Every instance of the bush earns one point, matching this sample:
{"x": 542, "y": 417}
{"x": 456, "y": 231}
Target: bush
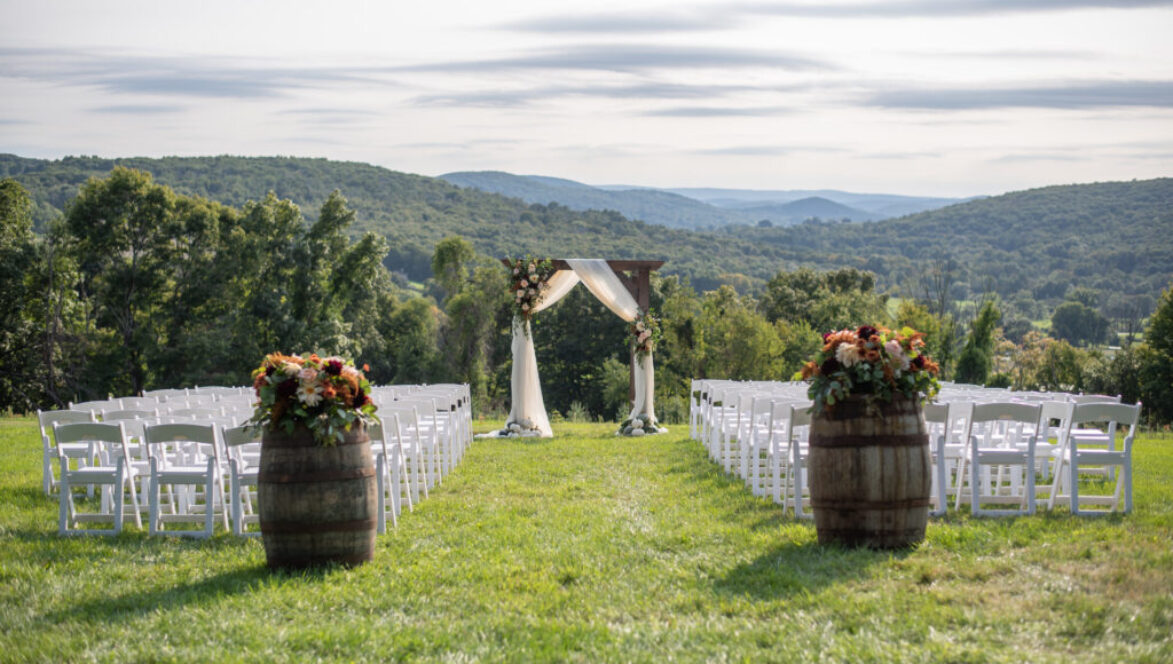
{"x": 672, "y": 410}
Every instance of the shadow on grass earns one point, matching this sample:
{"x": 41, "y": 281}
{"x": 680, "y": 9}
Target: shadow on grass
{"x": 184, "y": 594}
{"x": 794, "y": 568}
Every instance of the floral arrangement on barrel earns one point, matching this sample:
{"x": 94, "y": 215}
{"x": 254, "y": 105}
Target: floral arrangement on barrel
{"x": 326, "y": 395}
{"x": 645, "y": 333}
{"x": 875, "y": 362}
{"x": 528, "y": 283}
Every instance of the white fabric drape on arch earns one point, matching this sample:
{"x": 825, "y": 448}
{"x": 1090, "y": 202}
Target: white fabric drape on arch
{"x": 525, "y": 385}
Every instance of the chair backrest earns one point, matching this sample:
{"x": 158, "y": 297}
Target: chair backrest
{"x": 108, "y": 437}
{"x": 47, "y": 418}
{"x": 139, "y": 403}
{"x": 1111, "y": 414}
{"x": 182, "y": 443}
{"x": 1008, "y": 412}
{"x": 242, "y": 435}
{"x": 1095, "y": 398}
{"x": 108, "y": 404}
{"x": 197, "y": 413}
{"x": 114, "y": 415}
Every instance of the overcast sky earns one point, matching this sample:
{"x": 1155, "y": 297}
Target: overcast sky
{"x": 929, "y": 97}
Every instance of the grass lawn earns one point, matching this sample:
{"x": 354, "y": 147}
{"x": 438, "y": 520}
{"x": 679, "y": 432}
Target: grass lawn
{"x": 590, "y": 548}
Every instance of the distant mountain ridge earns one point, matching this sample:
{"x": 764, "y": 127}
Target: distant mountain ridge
{"x": 688, "y": 208}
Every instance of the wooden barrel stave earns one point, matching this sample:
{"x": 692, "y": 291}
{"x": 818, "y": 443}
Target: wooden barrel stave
{"x": 870, "y": 474}
{"x": 316, "y": 504}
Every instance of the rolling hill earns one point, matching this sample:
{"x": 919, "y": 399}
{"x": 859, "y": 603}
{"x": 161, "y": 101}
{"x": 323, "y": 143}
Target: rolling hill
{"x": 671, "y": 208}
{"x": 1113, "y": 237}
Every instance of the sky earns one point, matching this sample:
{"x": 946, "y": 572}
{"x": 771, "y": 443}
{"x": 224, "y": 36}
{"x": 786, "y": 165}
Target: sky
{"x": 919, "y": 97}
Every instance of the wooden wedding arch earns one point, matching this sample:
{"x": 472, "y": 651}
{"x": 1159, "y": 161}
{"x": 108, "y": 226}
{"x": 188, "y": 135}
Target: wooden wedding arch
{"x": 636, "y": 276}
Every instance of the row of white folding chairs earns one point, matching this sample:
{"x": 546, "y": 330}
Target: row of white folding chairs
{"x": 176, "y": 471}
{"x": 136, "y": 420}
{"x": 427, "y": 430}
{"x": 732, "y": 420}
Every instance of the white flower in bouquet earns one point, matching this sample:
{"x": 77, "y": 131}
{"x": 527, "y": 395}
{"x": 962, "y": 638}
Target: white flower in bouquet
{"x": 524, "y": 283}
{"x": 525, "y": 306}
{"x": 847, "y": 354}
{"x": 516, "y": 270}
{"x": 291, "y": 369}
{"x": 307, "y": 375}
{"x": 532, "y": 292}
{"x": 310, "y": 395}
{"x": 639, "y": 327}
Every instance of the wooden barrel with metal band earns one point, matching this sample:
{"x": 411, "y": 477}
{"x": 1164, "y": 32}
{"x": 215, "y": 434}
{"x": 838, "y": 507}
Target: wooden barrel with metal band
{"x": 870, "y": 473}
{"x": 316, "y": 504}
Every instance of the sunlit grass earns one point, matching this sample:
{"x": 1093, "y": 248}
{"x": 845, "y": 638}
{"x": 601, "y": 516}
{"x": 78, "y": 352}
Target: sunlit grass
{"x": 587, "y": 547}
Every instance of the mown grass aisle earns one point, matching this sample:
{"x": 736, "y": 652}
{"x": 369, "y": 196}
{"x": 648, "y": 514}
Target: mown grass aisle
{"x": 587, "y": 547}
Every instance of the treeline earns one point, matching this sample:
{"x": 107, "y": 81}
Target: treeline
{"x": 1028, "y": 248}
{"x": 137, "y": 287}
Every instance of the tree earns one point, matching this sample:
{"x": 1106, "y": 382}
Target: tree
{"x": 1157, "y": 361}
{"x": 18, "y": 333}
{"x": 120, "y": 225}
{"x": 452, "y": 263}
{"x": 1078, "y": 323}
{"x": 825, "y": 300}
{"x": 977, "y": 356}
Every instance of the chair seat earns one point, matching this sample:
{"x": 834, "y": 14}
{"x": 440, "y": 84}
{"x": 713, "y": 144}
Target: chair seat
{"x": 182, "y": 474}
{"x": 996, "y": 455}
{"x": 95, "y": 474}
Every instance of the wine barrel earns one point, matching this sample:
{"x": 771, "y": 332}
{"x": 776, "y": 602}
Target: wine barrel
{"x": 870, "y": 473}
{"x": 316, "y": 504}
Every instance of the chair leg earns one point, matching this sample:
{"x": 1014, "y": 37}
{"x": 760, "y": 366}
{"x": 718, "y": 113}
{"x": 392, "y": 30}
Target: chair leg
{"x": 65, "y": 504}
{"x": 381, "y": 489}
{"x": 119, "y": 499}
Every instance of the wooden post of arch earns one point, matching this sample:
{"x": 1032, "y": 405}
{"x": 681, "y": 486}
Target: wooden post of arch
{"x": 637, "y": 277}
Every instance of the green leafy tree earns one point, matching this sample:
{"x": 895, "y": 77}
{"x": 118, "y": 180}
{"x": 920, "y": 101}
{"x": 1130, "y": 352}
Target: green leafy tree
{"x": 123, "y": 244}
{"x": 1157, "y": 361}
{"x": 19, "y": 259}
{"x": 977, "y": 356}
{"x": 1078, "y": 323}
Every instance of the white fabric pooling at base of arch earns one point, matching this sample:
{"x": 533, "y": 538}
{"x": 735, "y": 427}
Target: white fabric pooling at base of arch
{"x": 525, "y": 385}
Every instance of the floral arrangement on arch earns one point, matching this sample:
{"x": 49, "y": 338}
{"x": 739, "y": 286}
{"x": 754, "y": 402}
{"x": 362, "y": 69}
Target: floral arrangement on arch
{"x": 645, "y": 333}
{"x": 528, "y": 283}
{"x": 875, "y": 362}
{"x": 327, "y": 395}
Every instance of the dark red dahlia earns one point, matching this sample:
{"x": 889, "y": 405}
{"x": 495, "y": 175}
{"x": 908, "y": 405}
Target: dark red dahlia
{"x": 866, "y": 332}
{"x": 333, "y": 368}
{"x": 287, "y": 387}
{"x": 829, "y": 366}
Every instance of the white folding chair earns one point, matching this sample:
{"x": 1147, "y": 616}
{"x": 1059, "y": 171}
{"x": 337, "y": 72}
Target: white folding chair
{"x": 391, "y": 472}
{"x": 185, "y": 458}
{"x": 1000, "y": 459}
{"x": 82, "y": 452}
{"x": 937, "y": 425}
{"x": 1078, "y": 454}
{"x": 243, "y": 448}
{"x": 111, "y": 472}
{"x": 400, "y": 426}
{"x": 798, "y": 435}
